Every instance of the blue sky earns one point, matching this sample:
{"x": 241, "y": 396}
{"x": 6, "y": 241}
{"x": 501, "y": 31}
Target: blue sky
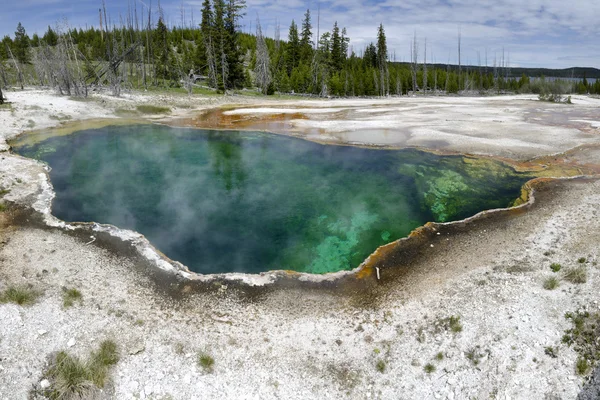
{"x": 546, "y": 33}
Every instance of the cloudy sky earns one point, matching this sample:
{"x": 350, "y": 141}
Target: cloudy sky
{"x": 546, "y": 33}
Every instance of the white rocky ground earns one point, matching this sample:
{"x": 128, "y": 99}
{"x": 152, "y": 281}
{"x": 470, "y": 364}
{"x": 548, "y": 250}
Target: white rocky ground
{"x": 295, "y": 343}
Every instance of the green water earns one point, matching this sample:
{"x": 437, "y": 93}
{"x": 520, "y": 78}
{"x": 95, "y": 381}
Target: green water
{"x": 228, "y": 201}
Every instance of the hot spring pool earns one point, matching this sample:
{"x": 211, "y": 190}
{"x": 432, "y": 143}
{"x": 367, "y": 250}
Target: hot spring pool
{"x": 229, "y": 201}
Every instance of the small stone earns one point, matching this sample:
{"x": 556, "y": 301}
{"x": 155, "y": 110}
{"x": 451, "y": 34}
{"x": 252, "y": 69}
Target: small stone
{"x": 42, "y": 332}
{"x": 45, "y": 384}
{"x": 71, "y": 342}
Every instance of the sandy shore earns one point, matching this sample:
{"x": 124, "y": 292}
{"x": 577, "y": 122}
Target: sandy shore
{"x": 296, "y": 342}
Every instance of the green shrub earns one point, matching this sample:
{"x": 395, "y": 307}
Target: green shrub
{"x": 380, "y": 366}
{"x": 555, "y": 267}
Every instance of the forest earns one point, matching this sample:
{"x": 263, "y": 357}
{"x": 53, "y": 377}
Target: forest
{"x": 140, "y": 53}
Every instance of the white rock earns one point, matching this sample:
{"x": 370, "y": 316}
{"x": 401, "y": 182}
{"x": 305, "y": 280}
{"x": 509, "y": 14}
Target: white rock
{"x": 42, "y": 332}
{"x": 71, "y": 342}
{"x": 45, "y": 384}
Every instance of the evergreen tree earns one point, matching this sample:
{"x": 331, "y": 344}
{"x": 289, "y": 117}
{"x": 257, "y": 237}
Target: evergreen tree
{"x": 337, "y": 58}
{"x": 233, "y": 12}
{"x": 220, "y": 47}
{"x": 161, "y": 50}
{"x": 50, "y": 37}
{"x": 21, "y": 45}
{"x": 293, "y": 48}
{"x": 207, "y": 29}
{"x": 306, "y": 42}
{"x": 382, "y": 58}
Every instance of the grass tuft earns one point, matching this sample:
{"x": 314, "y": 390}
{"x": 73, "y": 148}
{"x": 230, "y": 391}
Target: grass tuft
{"x": 582, "y": 366}
{"x": 206, "y": 362}
{"x": 21, "y": 295}
{"x": 582, "y": 260}
{"x": 429, "y": 368}
{"x": 439, "y": 356}
{"x": 73, "y": 378}
{"x": 380, "y": 366}
{"x": 576, "y": 274}
{"x": 70, "y": 296}
{"x": 551, "y": 283}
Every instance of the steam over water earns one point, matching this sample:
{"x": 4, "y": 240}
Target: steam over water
{"x": 225, "y": 201}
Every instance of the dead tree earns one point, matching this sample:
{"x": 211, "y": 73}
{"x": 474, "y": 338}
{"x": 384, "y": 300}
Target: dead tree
{"x": 414, "y": 55}
{"x": 262, "y": 69}
{"x": 19, "y": 71}
{"x": 425, "y": 67}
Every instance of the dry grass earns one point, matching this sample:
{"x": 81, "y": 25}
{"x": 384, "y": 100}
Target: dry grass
{"x": 576, "y": 274}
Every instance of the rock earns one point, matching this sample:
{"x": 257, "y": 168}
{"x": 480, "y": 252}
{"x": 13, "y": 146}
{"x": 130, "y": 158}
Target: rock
{"x": 45, "y": 384}
{"x": 71, "y": 342}
{"x": 42, "y": 332}
{"x": 137, "y": 348}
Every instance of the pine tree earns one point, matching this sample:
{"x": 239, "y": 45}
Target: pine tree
{"x": 161, "y": 50}
{"x": 382, "y": 58}
{"x": 21, "y": 45}
{"x": 208, "y": 39}
{"x": 306, "y": 42}
{"x": 50, "y": 37}
{"x": 293, "y": 48}
{"x": 233, "y": 12}
{"x": 337, "y": 59}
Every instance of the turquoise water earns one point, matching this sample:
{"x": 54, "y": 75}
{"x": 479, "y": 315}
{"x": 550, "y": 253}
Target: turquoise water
{"x": 229, "y": 201}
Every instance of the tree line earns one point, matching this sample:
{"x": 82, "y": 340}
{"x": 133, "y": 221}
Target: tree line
{"x": 139, "y": 52}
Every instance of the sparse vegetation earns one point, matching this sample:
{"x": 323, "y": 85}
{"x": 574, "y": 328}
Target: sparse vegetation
{"x": 475, "y": 355}
{"x": 583, "y": 336}
{"x": 551, "y": 351}
{"x": 21, "y": 295}
{"x": 582, "y": 366}
{"x": 555, "y": 267}
{"x": 150, "y": 109}
{"x": 439, "y": 356}
{"x": 576, "y": 274}
{"x": 429, "y": 368}
{"x": 70, "y": 296}
{"x": 451, "y": 324}
{"x": 551, "y": 283}
{"x": 582, "y": 260}
{"x": 73, "y": 378}
{"x": 380, "y": 366}
{"x": 206, "y": 361}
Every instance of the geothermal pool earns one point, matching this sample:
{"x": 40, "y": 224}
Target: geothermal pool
{"x": 230, "y": 201}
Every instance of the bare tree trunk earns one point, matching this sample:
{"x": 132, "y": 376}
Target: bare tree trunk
{"x": 425, "y": 67}
{"x": 262, "y": 69}
{"x": 414, "y": 55}
{"x": 1, "y": 96}
{"x": 19, "y": 73}
{"x": 459, "y": 61}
